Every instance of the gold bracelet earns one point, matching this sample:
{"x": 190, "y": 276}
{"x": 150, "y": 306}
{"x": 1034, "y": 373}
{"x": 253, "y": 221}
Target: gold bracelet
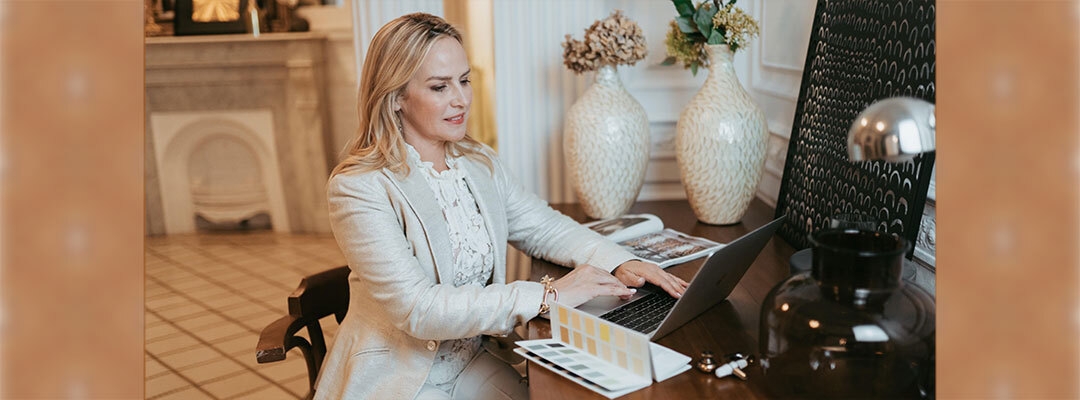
{"x": 548, "y": 288}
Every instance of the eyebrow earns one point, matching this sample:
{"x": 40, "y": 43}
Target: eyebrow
{"x": 447, "y": 78}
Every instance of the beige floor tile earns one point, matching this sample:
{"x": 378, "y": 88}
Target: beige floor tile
{"x": 260, "y": 321}
{"x": 250, "y": 308}
{"x": 184, "y": 311}
{"x": 213, "y": 370}
{"x": 186, "y": 394}
{"x": 159, "y": 332}
{"x": 224, "y": 330}
{"x": 239, "y": 346}
{"x": 151, "y": 319}
{"x": 209, "y": 292}
{"x": 267, "y": 393}
{"x": 165, "y": 302}
{"x": 154, "y": 368}
{"x": 221, "y": 300}
{"x": 189, "y": 357}
{"x": 298, "y": 387}
{"x": 281, "y": 371}
{"x": 164, "y": 383}
{"x": 244, "y": 382}
{"x": 202, "y": 321}
{"x": 171, "y": 345}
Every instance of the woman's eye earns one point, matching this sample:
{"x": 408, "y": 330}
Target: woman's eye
{"x": 466, "y": 81}
{"x": 438, "y": 88}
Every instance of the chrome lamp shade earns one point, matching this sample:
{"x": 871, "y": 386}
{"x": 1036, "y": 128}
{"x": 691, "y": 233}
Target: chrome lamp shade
{"x": 894, "y": 129}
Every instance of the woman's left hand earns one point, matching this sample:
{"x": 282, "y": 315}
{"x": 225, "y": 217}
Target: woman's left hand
{"x": 635, "y": 273}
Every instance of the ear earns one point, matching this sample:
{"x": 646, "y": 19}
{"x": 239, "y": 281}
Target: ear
{"x": 395, "y": 102}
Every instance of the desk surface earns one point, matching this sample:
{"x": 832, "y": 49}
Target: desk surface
{"x": 728, "y": 327}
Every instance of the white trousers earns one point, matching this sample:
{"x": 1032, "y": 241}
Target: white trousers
{"x": 485, "y": 378}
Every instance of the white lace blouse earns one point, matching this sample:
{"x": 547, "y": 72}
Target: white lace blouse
{"x": 474, "y": 256}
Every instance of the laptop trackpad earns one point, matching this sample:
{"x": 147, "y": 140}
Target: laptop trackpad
{"x": 602, "y": 304}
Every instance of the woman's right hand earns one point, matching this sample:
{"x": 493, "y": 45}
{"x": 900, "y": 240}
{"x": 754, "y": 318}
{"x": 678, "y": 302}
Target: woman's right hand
{"x": 586, "y": 282}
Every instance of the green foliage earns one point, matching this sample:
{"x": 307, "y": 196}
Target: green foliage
{"x": 709, "y": 23}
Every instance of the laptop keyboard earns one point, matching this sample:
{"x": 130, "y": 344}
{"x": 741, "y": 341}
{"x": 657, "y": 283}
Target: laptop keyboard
{"x": 643, "y": 315}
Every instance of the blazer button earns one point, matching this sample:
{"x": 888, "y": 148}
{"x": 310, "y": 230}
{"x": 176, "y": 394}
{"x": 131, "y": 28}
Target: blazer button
{"x": 431, "y": 345}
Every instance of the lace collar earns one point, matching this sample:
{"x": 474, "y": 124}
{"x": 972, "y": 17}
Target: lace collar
{"x": 428, "y": 168}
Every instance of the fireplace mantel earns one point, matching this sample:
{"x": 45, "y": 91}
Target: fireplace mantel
{"x": 283, "y": 73}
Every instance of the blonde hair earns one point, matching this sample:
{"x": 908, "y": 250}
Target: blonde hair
{"x": 395, "y": 54}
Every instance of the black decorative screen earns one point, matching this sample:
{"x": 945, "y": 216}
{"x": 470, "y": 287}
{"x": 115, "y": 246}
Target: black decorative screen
{"x": 860, "y": 51}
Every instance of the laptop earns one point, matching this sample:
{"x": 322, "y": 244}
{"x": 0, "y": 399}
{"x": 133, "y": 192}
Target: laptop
{"x": 655, "y": 313}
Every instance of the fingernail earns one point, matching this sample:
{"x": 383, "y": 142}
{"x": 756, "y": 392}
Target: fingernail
{"x": 633, "y": 290}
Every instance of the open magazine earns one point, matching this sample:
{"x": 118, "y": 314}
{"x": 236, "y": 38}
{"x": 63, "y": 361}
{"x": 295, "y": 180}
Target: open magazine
{"x": 645, "y": 236}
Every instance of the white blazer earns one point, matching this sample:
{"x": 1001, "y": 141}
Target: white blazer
{"x": 394, "y": 237}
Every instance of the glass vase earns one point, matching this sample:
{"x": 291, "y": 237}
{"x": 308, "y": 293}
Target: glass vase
{"x": 851, "y": 327}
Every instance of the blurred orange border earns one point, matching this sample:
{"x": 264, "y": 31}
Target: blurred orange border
{"x": 71, "y": 153}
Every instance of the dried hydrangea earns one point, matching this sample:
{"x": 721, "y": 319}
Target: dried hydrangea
{"x": 615, "y": 40}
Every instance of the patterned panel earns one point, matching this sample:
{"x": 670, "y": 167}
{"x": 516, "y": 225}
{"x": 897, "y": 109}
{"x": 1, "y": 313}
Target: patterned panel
{"x": 860, "y": 51}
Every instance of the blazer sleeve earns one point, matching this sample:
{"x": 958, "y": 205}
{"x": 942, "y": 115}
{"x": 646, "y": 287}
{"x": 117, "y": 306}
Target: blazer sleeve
{"x": 540, "y": 231}
{"x": 376, "y": 248}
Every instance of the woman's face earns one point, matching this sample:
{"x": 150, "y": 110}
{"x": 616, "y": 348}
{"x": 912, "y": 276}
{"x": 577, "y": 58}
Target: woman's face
{"x": 435, "y": 104}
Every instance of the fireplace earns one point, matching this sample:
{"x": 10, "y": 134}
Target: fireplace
{"x": 218, "y": 165}
{"x": 236, "y": 128}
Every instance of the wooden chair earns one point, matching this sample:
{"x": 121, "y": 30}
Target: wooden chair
{"x": 320, "y": 295}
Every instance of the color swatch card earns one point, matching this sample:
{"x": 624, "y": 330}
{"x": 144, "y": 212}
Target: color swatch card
{"x": 602, "y": 356}
{"x": 578, "y": 366}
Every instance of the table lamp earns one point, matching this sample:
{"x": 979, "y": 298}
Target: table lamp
{"x": 895, "y": 130}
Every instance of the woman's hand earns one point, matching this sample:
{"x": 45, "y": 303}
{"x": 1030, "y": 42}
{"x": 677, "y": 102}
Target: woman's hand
{"x": 586, "y": 282}
{"x": 635, "y": 273}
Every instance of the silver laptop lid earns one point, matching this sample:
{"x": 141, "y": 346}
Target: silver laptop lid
{"x": 716, "y": 279}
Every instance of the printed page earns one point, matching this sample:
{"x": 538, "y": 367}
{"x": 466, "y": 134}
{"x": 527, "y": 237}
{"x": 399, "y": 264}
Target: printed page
{"x": 627, "y": 226}
{"x": 670, "y": 247}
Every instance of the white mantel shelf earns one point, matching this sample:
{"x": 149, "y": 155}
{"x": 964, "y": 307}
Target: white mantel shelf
{"x": 239, "y": 37}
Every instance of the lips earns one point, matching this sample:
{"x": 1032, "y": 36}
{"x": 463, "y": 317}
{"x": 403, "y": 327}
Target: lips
{"x": 456, "y": 120}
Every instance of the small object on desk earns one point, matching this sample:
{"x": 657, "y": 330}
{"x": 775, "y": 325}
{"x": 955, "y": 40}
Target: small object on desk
{"x": 734, "y": 366}
{"x": 706, "y": 364}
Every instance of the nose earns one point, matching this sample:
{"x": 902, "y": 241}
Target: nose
{"x": 460, "y": 99}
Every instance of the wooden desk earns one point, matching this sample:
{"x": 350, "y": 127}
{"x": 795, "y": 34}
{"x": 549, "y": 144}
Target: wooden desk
{"x": 728, "y": 327}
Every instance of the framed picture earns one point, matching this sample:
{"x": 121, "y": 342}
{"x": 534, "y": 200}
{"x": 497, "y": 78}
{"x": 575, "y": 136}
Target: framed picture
{"x": 209, "y": 17}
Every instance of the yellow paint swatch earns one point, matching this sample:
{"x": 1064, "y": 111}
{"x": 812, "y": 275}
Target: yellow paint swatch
{"x": 639, "y": 367}
{"x": 562, "y": 316}
{"x": 620, "y": 339}
{"x": 605, "y": 333}
{"x": 622, "y": 359}
{"x": 577, "y": 339}
{"x": 592, "y": 346}
{"x": 564, "y": 335}
{"x": 605, "y": 352}
{"x": 576, "y": 322}
{"x": 589, "y": 326}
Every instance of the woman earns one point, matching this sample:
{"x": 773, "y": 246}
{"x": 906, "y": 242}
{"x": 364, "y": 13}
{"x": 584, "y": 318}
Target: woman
{"x": 423, "y": 213}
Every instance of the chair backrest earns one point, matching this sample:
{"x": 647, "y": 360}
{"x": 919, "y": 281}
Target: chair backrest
{"x": 318, "y": 296}
{"x": 322, "y": 294}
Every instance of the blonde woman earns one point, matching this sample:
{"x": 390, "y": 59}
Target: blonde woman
{"x": 423, "y": 214}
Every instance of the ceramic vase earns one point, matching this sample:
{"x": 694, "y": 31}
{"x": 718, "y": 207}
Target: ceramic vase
{"x": 606, "y": 139}
{"x": 850, "y": 328}
{"x": 720, "y": 144}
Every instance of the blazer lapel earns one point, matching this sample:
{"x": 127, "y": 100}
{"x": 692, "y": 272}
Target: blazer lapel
{"x": 422, "y": 201}
{"x": 483, "y": 189}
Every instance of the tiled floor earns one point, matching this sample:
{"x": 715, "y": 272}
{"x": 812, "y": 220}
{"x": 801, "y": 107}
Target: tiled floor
{"x": 207, "y": 298}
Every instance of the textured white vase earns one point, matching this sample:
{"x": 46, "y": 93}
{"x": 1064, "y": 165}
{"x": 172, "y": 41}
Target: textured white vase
{"x": 606, "y": 139}
{"x": 720, "y": 144}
